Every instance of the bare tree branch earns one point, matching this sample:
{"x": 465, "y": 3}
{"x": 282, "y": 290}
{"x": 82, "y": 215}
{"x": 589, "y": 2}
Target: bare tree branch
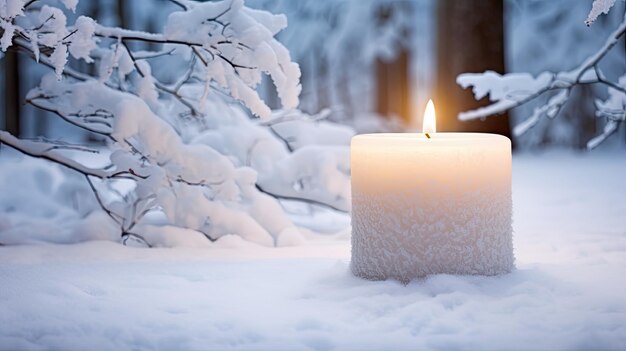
{"x": 114, "y": 216}
{"x": 299, "y": 199}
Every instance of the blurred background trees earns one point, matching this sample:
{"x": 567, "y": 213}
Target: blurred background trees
{"x": 470, "y": 38}
{"x": 365, "y": 59}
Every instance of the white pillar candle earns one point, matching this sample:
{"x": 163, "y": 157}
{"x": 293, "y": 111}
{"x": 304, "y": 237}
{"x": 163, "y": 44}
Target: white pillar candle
{"x": 431, "y": 204}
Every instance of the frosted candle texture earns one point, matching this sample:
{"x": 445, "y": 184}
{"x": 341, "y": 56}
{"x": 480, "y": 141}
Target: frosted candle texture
{"x": 425, "y": 206}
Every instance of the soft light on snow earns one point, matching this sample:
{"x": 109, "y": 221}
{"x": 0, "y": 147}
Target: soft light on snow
{"x": 567, "y": 291}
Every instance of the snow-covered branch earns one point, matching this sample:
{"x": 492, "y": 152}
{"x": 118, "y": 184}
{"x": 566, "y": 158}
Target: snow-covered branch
{"x": 218, "y": 174}
{"x": 597, "y": 8}
{"x": 511, "y": 90}
{"x": 49, "y": 151}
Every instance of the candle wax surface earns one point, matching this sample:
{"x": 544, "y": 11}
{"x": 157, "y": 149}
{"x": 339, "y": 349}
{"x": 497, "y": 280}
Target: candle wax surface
{"x": 423, "y": 205}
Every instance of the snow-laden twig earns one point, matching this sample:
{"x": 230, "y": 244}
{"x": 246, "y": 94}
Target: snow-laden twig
{"x": 114, "y": 216}
{"x": 287, "y": 116}
{"x": 597, "y": 8}
{"x": 216, "y": 43}
{"x": 161, "y": 86}
{"x": 26, "y": 47}
{"x": 511, "y": 90}
{"x": 300, "y": 199}
{"x": 614, "y": 110}
{"x": 48, "y": 151}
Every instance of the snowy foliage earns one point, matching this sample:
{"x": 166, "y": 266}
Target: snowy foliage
{"x": 194, "y": 158}
{"x": 515, "y": 89}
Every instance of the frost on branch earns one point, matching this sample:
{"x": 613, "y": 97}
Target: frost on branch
{"x": 511, "y": 90}
{"x": 171, "y": 179}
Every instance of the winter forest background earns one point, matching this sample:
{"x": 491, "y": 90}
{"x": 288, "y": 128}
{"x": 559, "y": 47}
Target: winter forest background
{"x": 361, "y": 59}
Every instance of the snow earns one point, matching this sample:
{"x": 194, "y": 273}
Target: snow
{"x": 7, "y": 36}
{"x": 11, "y": 8}
{"x": 53, "y": 22}
{"x": 83, "y": 40}
{"x": 70, "y": 4}
{"x": 610, "y": 108}
{"x": 40, "y": 203}
{"x": 566, "y": 293}
{"x": 597, "y": 8}
{"x": 214, "y": 24}
{"x": 505, "y": 91}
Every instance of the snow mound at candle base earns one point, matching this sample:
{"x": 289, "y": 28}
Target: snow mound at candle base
{"x": 470, "y": 234}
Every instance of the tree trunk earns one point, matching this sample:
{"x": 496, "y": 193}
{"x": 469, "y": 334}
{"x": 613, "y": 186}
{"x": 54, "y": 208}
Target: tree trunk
{"x": 12, "y": 92}
{"x": 470, "y": 39}
{"x": 124, "y": 16}
{"x": 393, "y": 87}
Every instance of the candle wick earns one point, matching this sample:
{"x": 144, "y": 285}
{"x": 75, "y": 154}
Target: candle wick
{"x": 427, "y": 135}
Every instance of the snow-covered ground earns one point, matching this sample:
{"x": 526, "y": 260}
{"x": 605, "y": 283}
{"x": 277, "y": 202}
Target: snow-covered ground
{"x": 567, "y": 291}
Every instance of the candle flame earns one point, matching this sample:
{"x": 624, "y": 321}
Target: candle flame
{"x": 430, "y": 121}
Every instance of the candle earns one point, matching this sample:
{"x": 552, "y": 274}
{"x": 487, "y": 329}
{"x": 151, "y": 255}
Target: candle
{"x": 428, "y": 203}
